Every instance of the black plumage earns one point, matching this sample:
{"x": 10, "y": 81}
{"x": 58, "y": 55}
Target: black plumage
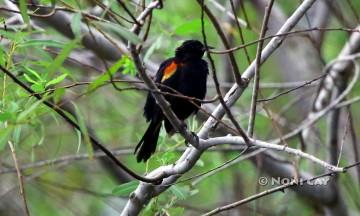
{"x": 186, "y": 73}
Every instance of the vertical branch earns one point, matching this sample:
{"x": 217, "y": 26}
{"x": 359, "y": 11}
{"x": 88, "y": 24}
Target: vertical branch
{"x": 257, "y": 69}
{"x": 240, "y": 29}
{"x": 242, "y": 6}
{"x": 354, "y": 140}
{"x": 343, "y": 138}
{"x": 333, "y": 133}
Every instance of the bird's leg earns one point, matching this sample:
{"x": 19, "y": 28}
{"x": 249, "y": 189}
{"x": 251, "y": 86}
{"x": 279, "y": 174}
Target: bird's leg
{"x": 195, "y": 137}
{"x": 186, "y": 143}
{"x": 184, "y": 125}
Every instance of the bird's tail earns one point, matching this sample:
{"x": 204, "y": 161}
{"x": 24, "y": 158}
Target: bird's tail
{"x": 147, "y": 145}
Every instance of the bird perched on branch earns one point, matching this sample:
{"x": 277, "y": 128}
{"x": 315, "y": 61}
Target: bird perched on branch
{"x": 186, "y": 73}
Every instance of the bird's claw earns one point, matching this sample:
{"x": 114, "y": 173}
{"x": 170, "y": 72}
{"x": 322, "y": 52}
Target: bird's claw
{"x": 187, "y": 144}
{"x": 194, "y": 137}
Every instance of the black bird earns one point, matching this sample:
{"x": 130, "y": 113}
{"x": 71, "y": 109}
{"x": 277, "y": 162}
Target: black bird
{"x": 186, "y": 73}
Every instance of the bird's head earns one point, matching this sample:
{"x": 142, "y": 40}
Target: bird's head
{"x": 190, "y": 50}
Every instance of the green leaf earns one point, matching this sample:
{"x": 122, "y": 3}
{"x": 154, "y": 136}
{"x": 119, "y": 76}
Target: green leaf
{"x": 166, "y": 157}
{"x": 121, "y": 31}
{"x": 28, "y": 111}
{"x": 57, "y": 95}
{"x": 79, "y": 136}
{"x": 153, "y": 208}
{"x": 179, "y": 192}
{"x": 42, "y": 135}
{"x": 17, "y": 133}
{"x": 129, "y": 66}
{"x": 84, "y": 131}
{"x": 29, "y": 79}
{"x": 106, "y": 76}
{"x": 200, "y": 163}
{"x": 154, "y": 46}
{"x": 13, "y": 107}
{"x": 125, "y": 189}
{"x": 56, "y": 80}
{"x": 76, "y": 24}
{"x": 15, "y": 36}
{"x": 4, "y": 134}
{"x": 23, "y": 11}
{"x": 59, "y": 60}
{"x": 38, "y": 87}
{"x": 33, "y": 72}
{"x": 176, "y": 211}
{"x": 42, "y": 43}
{"x": 2, "y": 55}
{"x": 5, "y": 116}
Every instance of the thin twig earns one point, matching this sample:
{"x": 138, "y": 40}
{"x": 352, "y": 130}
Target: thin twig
{"x": 217, "y": 87}
{"x": 20, "y": 178}
{"x": 273, "y": 190}
{"x": 226, "y": 165}
{"x": 306, "y": 83}
{"x": 348, "y": 102}
{"x": 354, "y": 140}
{"x": 231, "y": 15}
{"x": 128, "y": 12}
{"x": 240, "y": 29}
{"x": 236, "y": 140}
{"x": 234, "y": 66}
{"x": 111, "y": 13}
{"x": 343, "y": 138}
{"x": 283, "y": 34}
{"x": 67, "y": 158}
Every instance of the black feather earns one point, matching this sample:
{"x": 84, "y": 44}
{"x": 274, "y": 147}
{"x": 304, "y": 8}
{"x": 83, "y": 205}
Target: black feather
{"x": 189, "y": 79}
{"x": 147, "y": 145}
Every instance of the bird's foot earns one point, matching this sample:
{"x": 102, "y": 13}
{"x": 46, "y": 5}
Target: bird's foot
{"x": 184, "y": 125}
{"x": 194, "y": 137}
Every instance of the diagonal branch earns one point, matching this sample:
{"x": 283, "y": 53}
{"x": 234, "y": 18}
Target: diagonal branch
{"x": 255, "y": 92}
{"x": 293, "y": 183}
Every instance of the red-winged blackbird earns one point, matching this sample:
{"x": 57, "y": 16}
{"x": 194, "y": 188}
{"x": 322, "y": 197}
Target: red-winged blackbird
{"x": 186, "y": 73}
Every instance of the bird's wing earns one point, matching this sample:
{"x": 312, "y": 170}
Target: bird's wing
{"x": 151, "y": 108}
{"x": 163, "y": 67}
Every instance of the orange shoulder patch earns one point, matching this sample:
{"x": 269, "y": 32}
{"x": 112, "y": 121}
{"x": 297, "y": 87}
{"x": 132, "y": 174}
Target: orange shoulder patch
{"x": 169, "y": 71}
